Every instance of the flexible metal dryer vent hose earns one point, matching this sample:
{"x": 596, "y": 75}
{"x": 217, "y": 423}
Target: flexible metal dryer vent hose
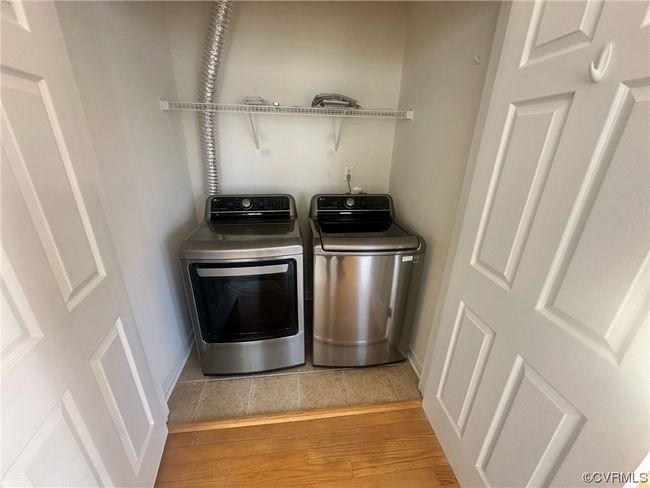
{"x": 219, "y": 19}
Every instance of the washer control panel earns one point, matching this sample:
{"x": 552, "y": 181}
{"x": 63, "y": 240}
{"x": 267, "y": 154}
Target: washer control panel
{"x": 326, "y": 203}
{"x": 242, "y": 206}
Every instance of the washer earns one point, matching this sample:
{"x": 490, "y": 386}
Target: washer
{"x": 243, "y": 277}
{"x": 366, "y": 270}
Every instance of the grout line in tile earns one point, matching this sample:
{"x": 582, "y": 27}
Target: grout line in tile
{"x": 345, "y": 387}
{"x": 191, "y": 381}
{"x": 391, "y": 383}
{"x": 196, "y": 408}
{"x": 250, "y": 398}
{"x": 299, "y": 394}
{"x": 322, "y": 370}
{"x": 260, "y": 375}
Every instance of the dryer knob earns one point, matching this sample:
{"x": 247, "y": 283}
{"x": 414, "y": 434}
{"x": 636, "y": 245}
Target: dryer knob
{"x": 246, "y": 203}
{"x": 349, "y": 202}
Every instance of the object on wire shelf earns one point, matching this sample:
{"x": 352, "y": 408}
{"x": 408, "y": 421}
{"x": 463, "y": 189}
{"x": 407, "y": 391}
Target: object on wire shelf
{"x": 334, "y": 100}
{"x": 255, "y": 101}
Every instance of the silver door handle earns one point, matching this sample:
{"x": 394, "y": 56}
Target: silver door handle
{"x": 243, "y": 271}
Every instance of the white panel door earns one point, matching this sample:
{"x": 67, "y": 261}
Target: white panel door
{"x": 540, "y": 370}
{"x": 79, "y": 404}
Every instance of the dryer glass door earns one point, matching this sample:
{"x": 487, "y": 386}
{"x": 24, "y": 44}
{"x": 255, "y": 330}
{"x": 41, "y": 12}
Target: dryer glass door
{"x": 247, "y": 301}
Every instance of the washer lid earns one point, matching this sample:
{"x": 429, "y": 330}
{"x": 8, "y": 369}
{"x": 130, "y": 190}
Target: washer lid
{"x": 366, "y": 237}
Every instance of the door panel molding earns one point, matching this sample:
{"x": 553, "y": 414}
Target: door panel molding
{"x": 13, "y": 11}
{"x": 542, "y": 46}
{"x": 617, "y": 327}
{"x": 43, "y": 452}
{"x": 560, "y": 437}
{"x": 124, "y": 415}
{"x": 459, "y": 420}
{"x": 497, "y": 252}
{"x": 30, "y": 332}
{"x": 55, "y": 242}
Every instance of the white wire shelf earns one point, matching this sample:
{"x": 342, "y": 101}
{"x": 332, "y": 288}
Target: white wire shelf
{"x": 367, "y": 113}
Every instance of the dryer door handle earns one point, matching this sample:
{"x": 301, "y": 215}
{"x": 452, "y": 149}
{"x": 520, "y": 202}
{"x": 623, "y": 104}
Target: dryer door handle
{"x": 242, "y": 271}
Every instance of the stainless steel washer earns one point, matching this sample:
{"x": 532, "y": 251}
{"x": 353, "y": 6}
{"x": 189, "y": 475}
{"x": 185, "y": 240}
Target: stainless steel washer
{"x": 243, "y": 276}
{"x": 366, "y": 270}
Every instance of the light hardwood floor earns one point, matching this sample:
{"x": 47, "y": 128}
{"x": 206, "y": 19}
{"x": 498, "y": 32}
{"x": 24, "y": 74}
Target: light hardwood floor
{"x": 362, "y": 448}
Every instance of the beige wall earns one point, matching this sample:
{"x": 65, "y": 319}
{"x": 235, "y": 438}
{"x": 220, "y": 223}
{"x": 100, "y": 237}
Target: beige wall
{"x": 443, "y": 83}
{"x": 288, "y": 52}
{"x": 122, "y": 65}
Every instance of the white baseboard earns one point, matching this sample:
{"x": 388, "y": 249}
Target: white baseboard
{"x": 174, "y": 374}
{"x": 415, "y": 361}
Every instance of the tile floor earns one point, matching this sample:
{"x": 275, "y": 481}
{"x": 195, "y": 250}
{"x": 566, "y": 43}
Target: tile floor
{"x": 198, "y": 398}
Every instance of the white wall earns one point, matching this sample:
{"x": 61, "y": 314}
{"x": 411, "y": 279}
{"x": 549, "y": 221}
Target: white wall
{"x": 288, "y": 52}
{"x": 122, "y": 65}
{"x": 442, "y": 82}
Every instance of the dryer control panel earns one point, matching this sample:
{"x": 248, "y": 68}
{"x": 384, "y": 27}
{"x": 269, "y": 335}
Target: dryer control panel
{"x": 224, "y": 207}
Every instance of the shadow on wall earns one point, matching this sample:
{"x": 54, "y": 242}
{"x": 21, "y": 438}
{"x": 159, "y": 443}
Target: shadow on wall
{"x": 443, "y": 82}
{"x": 119, "y": 50}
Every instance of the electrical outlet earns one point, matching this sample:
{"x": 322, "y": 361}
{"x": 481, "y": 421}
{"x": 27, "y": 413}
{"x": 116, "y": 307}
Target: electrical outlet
{"x": 349, "y": 171}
